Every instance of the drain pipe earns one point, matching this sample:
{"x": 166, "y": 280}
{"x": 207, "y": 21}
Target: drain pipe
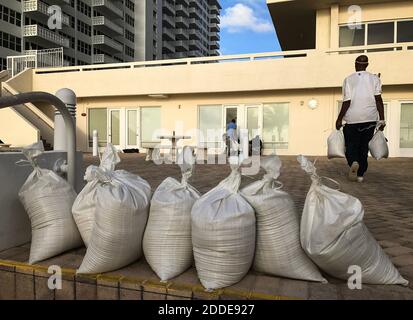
{"x": 32, "y": 97}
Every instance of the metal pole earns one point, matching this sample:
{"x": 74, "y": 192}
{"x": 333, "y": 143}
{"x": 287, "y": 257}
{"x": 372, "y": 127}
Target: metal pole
{"x": 32, "y": 97}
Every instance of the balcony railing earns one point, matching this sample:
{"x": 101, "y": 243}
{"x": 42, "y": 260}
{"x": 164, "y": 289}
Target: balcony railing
{"x": 169, "y": 19}
{"x": 214, "y": 9}
{"x": 41, "y": 7}
{"x": 181, "y": 21}
{"x": 169, "y": 7}
{"x": 102, "y": 21}
{"x": 106, "y": 6}
{"x": 108, "y": 42}
{"x": 298, "y": 54}
{"x": 214, "y": 27}
{"x": 169, "y": 46}
{"x": 195, "y": 34}
{"x": 182, "y": 44}
{"x": 214, "y": 18}
{"x": 35, "y": 30}
{"x": 182, "y": 10}
{"x": 214, "y": 45}
{"x": 169, "y": 33}
{"x": 103, "y": 58}
{"x": 182, "y": 34}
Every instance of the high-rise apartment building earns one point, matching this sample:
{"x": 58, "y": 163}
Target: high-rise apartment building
{"x": 109, "y": 31}
{"x": 187, "y": 28}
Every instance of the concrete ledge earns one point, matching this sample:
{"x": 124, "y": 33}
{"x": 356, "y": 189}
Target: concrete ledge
{"x": 27, "y": 282}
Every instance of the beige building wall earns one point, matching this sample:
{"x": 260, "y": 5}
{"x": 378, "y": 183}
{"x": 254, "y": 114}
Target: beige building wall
{"x": 329, "y": 19}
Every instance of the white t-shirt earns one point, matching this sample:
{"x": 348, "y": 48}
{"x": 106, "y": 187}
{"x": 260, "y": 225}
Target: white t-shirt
{"x": 361, "y": 88}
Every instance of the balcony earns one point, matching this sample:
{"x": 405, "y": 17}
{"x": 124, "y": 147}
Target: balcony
{"x": 194, "y": 23}
{"x": 213, "y": 53}
{"x": 195, "y": 53}
{"x": 62, "y": 2}
{"x": 168, "y": 34}
{"x": 168, "y": 7}
{"x": 214, "y": 36}
{"x": 168, "y": 47}
{"x": 193, "y": 12}
{"x": 107, "y": 8}
{"x": 106, "y": 26}
{"x": 181, "y": 11}
{"x": 44, "y": 36}
{"x": 180, "y": 55}
{"x": 38, "y": 10}
{"x": 168, "y": 20}
{"x": 103, "y": 58}
{"x": 214, "y": 18}
{"x": 182, "y": 22}
{"x": 214, "y": 9}
{"x": 195, "y": 45}
{"x": 195, "y": 34}
{"x": 181, "y": 45}
{"x": 107, "y": 44}
{"x": 182, "y": 34}
{"x": 214, "y": 27}
{"x": 214, "y": 45}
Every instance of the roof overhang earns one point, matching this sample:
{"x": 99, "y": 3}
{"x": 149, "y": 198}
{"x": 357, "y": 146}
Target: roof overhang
{"x": 295, "y": 20}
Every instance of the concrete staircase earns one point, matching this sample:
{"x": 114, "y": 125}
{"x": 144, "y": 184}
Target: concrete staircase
{"x": 27, "y": 115}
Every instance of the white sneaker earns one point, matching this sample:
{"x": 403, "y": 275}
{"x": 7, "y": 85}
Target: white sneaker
{"x": 360, "y": 179}
{"x": 352, "y": 175}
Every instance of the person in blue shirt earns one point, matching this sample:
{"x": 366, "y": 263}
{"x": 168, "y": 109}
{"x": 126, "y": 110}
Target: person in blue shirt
{"x": 231, "y": 134}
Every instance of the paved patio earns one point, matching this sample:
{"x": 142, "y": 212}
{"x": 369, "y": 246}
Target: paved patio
{"x": 386, "y": 195}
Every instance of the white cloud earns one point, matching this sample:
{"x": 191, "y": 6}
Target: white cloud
{"x": 241, "y": 17}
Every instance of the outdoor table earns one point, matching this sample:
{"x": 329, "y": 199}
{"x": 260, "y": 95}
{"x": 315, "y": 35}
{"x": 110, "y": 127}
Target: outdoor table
{"x": 174, "y": 139}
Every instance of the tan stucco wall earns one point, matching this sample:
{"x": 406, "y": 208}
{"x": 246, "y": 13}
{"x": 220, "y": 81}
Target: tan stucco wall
{"x": 15, "y": 130}
{"x": 381, "y": 11}
{"x": 328, "y": 20}
{"x": 308, "y": 129}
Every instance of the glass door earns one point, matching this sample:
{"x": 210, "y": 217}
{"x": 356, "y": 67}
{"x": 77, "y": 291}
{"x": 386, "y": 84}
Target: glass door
{"x": 150, "y": 126}
{"x": 114, "y": 127}
{"x": 132, "y": 129}
{"x": 254, "y": 121}
{"x": 406, "y": 130}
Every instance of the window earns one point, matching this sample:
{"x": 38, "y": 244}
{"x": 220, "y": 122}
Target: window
{"x": 150, "y": 124}
{"x": 406, "y": 125}
{"x": 98, "y": 121}
{"x": 405, "y": 31}
{"x": 380, "y": 33}
{"x": 350, "y": 37}
{"x": 210, "y": 125}
{"x": 132, "y": 127}
{"x": 276, "y": 118}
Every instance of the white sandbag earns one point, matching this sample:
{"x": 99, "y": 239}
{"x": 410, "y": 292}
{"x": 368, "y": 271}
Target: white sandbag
{"x": 121, "y": 212}
{"x": 336, "y": 145}
{"x": 334, "y": 235}
{"x": 278, "y": 250}
{"x": 223, "y": 234}
{"x": 167, "y": 243}
{"x": 85, "y": 204}
{"x": 378, "y": 146}
{"x": 48, "y": 199}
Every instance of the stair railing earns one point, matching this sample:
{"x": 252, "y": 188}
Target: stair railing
{"x": 32, "y": 97}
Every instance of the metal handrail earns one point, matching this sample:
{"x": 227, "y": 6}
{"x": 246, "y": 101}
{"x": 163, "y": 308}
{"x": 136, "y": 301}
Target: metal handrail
{"x": 32, "y": 97}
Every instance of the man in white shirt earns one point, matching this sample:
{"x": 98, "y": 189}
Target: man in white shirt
{"x": 362, "y": 110}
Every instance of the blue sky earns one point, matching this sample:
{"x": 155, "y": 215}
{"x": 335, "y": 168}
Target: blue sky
{"x": 246, "y": 27}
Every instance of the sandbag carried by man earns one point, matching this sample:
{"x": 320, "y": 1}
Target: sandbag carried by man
{"x": 362, "y": 111}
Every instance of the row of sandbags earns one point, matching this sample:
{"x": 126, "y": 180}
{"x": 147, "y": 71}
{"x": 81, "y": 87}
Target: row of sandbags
{"x": 226, "y": 230}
